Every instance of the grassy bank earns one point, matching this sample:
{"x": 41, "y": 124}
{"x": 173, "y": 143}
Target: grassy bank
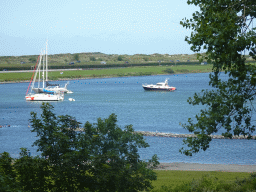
{"x": 111, "y": 72}
{"x": 176, "y": 178}
{"x": 93, "y": 59}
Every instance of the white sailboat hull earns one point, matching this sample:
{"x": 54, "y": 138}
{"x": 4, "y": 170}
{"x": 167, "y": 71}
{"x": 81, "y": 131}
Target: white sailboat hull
{"x": 44, "y": 97}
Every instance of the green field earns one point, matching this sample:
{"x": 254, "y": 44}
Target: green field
{"x": 111, "y": 72}
{"x": 95, "y": 58}
{"x": 176, "y": 178}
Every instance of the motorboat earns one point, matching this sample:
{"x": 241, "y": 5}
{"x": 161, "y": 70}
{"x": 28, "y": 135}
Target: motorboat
{"x": 161, "y": 86}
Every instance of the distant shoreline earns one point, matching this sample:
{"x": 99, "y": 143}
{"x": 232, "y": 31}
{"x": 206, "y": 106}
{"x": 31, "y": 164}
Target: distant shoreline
{"x": 180, "y": 166}
{"x": 71, "y": 79}
{"x": 100, "y": 77}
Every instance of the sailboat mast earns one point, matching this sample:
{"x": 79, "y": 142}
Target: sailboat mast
{"x": 46, "y": 64}
{"x": 43, "y": 67}
{"x": 39, "y": 69}
{"x": 32, "y": 80}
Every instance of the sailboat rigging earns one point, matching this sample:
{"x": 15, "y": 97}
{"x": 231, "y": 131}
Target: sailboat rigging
{"x": 46, "y": 85}
{"x": 42, "y": 92}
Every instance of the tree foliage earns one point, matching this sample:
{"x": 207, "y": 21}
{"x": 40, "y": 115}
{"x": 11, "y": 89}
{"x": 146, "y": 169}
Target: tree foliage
{"x": 92, "y": 58}
{"x": 120, "y": 58}
{"x": 76, "y": 57}
{"x": 7, "y": 174}
{"x": 32, "y": 59}
{"x": 32, "y": 172}
{"x": 100, "y": 157}
{"x": 221, "y": 29}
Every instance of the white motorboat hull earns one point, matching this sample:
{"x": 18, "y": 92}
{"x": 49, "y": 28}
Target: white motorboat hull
{"x": 150, "y": 88}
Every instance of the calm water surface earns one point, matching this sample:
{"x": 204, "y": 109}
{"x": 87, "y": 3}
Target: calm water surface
{"x": 146, "y": 111}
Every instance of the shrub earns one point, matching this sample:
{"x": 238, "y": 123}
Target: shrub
{"x": 120, "y": 58}
{"x": 168, "y": 70}
{"x": 76, "y": 57}
{"x": 32, "y": 59}
{"x": 92, "y": 58}
{"x": 183, "y": 71}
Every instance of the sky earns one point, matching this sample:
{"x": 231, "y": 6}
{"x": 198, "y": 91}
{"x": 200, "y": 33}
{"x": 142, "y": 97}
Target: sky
{"x": 111, "y": 27}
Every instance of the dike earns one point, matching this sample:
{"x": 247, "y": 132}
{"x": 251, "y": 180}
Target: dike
{"x": 160, "y": 134}
{"x": 175, "y": 135}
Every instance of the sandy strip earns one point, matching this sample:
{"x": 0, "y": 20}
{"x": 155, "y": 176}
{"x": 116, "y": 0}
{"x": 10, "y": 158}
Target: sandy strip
{"x": 207, "y": 167}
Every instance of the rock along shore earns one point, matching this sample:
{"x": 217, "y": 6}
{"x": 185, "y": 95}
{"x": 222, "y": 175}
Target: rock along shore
{"x": 161, "y": 134}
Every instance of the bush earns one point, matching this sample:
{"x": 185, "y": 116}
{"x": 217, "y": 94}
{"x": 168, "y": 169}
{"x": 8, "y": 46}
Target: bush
{"x": 92, "y": 58}
{"x": 183, "y": 71}
{"x": 120, "y": 58}
{"x": 76, "y": 57}
{"x": 32, "y": 59}
{"x": 168, "y": 70}
{"x": 7, "y": 173}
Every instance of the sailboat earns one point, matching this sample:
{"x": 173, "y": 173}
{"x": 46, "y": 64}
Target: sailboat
{"x": 48, "y": 86}
{"x": 41, "y": 93}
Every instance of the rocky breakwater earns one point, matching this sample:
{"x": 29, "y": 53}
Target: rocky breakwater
{"x": 160, "y": 134}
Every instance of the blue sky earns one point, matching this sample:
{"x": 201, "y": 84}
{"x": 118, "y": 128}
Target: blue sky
{"x": 111, "y": 27}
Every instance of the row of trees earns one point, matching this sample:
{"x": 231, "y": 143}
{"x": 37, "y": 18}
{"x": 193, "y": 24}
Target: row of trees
{"x": 102, "y": 157}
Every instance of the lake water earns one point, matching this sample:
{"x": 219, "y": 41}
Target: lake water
{"x": 146, "y": 111}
